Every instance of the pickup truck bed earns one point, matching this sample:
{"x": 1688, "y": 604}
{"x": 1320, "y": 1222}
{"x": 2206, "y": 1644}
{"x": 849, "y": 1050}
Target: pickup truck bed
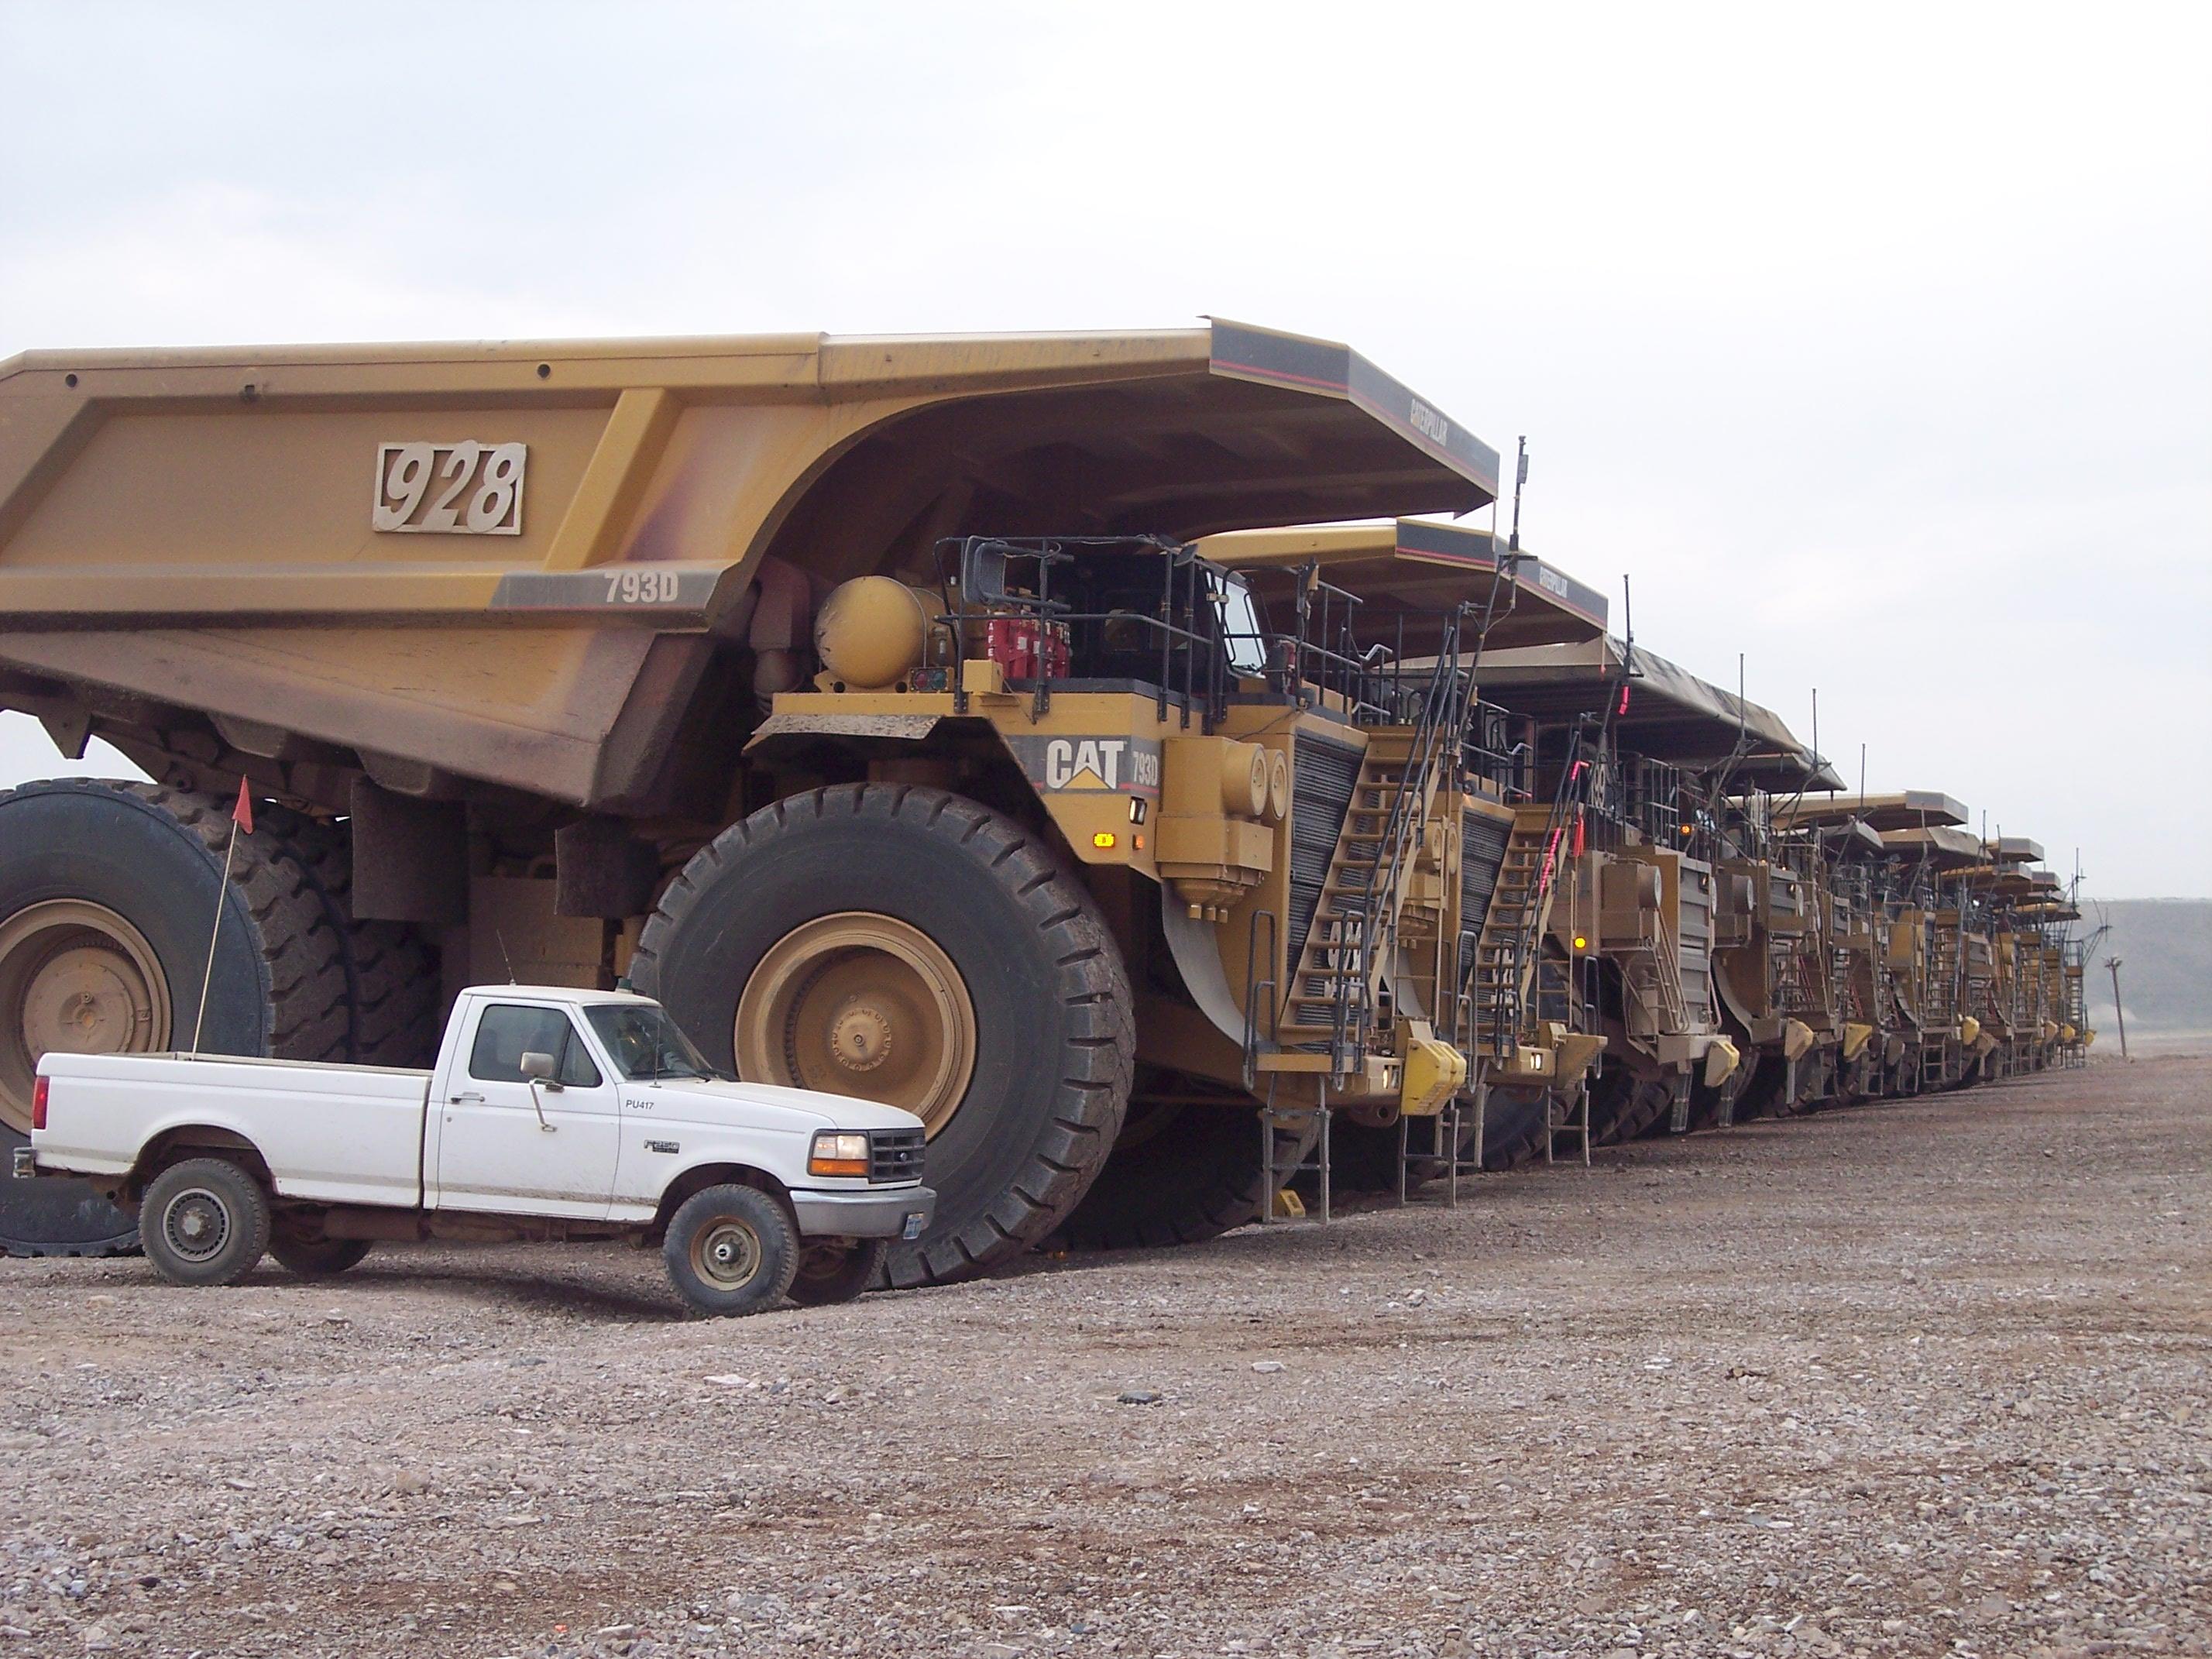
{"x": 377, "y": 1158}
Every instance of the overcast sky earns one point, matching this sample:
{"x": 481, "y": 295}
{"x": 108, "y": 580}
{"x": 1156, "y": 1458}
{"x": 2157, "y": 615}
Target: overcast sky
{"x": 1874, "y": 342}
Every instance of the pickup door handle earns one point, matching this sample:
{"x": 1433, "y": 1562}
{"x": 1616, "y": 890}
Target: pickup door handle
{"x": 457, "y": 1099}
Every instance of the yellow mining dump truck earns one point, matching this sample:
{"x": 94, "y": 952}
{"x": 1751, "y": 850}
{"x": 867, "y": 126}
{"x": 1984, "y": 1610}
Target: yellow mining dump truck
{"x": 1848, "y": 866}
{"x": 2014, "y": 1011}
{"x": 863, "y": 699}
{"x": 1942, "y": 954}
{"x": 1918, "y": 835}
{"x": 1655, "y": 884}
{"x": 1464, "y": 923}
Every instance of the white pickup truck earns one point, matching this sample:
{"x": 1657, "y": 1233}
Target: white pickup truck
{"x": 552, "y": 1114}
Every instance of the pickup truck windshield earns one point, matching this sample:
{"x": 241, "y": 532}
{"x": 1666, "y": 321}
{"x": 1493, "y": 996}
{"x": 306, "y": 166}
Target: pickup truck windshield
{"x": 644, "y": 1043}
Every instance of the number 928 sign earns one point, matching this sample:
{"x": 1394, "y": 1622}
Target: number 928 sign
{"x": 464, "y": 488}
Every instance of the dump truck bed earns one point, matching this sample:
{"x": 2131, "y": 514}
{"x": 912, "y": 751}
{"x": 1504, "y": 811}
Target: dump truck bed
{"x": 1410, "y": 573}
{"x": 514, "y": 563}
{"x": 1672, "y": 716}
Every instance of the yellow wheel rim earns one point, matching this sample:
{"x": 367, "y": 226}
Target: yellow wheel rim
{"x": 75, "y": 978}
{"x": 862, "y": 1005}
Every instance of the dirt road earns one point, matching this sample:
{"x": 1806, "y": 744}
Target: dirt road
{"x": 1909, "y": 1379}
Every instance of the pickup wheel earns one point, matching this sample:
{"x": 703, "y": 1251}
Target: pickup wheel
{"x": 317, "y": 1258}
{"x": 732, "y": 1250}
{"x": 906, "y": 945}
{"x": 838, "y": 1270}
{"x": 204, "y": 1221}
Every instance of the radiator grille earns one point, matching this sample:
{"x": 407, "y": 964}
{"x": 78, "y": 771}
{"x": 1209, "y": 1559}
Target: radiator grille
{"x": 1481, "y": 850}
{"x": 1321, "y": 786}
{"x": 895, "y": 1154}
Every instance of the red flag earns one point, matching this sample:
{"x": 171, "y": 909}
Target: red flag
{"x": 242, "y": 814}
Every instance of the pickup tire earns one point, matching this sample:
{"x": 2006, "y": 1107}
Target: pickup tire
{"x": 905, "y": 945}
{"x": 833, "y": 1272}
{"x": 204, "y": 1221}
{"x": 109, "y": 892}
{"x": 731, "y": 1250}
{"x": 316, "y": 1258}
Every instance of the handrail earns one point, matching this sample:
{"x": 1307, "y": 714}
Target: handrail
{"x": 1442, "y": 711}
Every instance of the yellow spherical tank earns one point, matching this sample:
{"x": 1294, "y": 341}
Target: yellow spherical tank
{"x": 870, "y": 631}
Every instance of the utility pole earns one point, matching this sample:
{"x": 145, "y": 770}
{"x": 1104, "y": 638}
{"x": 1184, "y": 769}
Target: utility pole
{"x": 2118, "y": 1013}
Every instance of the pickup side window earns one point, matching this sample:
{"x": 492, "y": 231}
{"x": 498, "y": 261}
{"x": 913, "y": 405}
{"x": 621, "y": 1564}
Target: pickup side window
{"x": 507, "y": 1031}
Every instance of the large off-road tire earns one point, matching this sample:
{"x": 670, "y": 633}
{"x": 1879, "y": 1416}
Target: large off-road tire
{"x": 1643, "y": 1108}
{"x": 833, "y": 1272}
{"x": 392, "y": 980}
{"x": 1517, "y": 1123}
{"x": 1182, "y": 1173}
{"x": 906, "y": 944}
{"x": 205, "y": 1221}
{"x": 731, "y": 1250}
{"x": 108, "y": 893}
{"x": 1361, "y": 1159}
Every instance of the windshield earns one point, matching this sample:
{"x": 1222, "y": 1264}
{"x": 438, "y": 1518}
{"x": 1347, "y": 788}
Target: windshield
{"x": 643, "y": 1041}
{"x": 1240, "y": 626}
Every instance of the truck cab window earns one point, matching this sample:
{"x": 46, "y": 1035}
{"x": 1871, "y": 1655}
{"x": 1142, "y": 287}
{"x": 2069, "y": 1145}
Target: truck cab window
{"x": 508, "y": 1030}
{"x": 1242, "y": 632}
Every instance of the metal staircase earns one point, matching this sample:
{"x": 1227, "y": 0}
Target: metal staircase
{"x": 1505, "y": 951}
{"x": 1942, "y": 997}
{"x": 1331, "y": 1016}
{"x": 1503, "y": 980}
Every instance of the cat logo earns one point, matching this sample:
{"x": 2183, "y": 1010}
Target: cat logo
{"x": 1091, "y": 765}
{"x": 1084, "y": 762}
{"x": 1100, "y": 763}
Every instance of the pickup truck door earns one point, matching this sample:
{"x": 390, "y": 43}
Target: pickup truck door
{"x": 498, "y": 1150}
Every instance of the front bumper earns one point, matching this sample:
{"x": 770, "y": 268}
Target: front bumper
{"x": 901, "y": 1213}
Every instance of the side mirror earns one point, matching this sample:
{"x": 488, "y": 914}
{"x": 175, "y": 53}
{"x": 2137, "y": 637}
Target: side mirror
{"x": 538, "y": 1068}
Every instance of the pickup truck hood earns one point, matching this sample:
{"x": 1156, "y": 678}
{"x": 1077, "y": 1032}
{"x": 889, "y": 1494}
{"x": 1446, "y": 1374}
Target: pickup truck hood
{"x": 741, "y": 1104}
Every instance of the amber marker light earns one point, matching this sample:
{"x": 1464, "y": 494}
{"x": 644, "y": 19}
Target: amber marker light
{"x": 1103, "y": 838}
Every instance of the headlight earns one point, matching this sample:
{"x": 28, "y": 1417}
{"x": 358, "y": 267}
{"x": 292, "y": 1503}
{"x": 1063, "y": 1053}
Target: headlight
{"x": 839, "y": 1153}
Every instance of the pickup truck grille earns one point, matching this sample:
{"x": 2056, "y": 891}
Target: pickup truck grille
{"x": 895, "y": 1154}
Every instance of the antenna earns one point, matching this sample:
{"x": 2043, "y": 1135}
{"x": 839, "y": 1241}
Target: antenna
{"x": 1862, "y": 779}
{"x": 503, "y": 956}
{"x": 1520, "y": 478}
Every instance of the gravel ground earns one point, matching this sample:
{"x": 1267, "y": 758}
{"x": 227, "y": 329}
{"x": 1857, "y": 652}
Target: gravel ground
{"x": 1914, "y": 1379}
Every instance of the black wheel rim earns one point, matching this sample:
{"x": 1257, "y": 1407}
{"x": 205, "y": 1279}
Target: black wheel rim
{"x": 196, "y": 1225}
